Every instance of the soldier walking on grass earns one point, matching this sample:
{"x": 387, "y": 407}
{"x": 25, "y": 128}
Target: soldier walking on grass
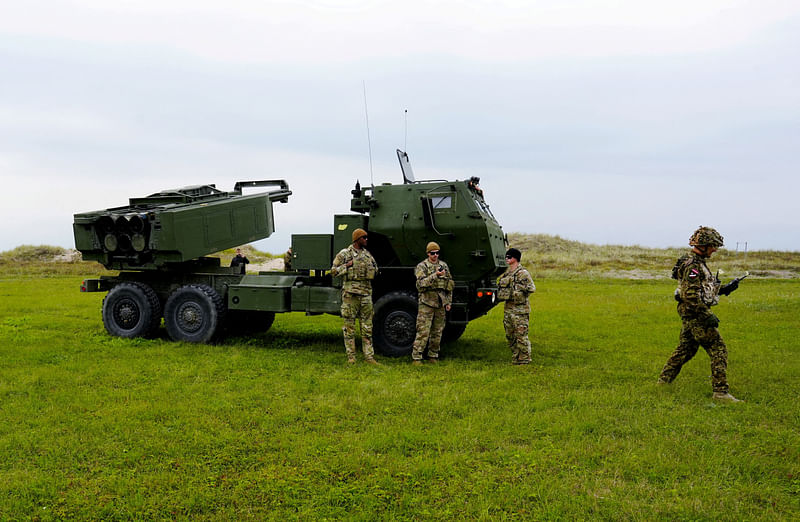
{"x": 514, "y": 287}
{"x": 435, "y": 289}
{"x": 698, "y": 291}
{"x": 357, "y": 268}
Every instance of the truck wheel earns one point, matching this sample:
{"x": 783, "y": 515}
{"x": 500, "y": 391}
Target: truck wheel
{"x": 194, "y": 313}
{"x": 248, "y": 321}
{"x": 452, "y": 332}
{"x": 394, "y": 324}
{"x": 131, "y": 310}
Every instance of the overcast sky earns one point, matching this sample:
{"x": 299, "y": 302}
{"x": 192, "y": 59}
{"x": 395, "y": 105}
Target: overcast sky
{"x": 609, "y": 122}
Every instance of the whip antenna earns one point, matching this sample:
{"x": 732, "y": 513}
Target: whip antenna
{"x": 369, "y": 143}
{"x": 405, "y": 133}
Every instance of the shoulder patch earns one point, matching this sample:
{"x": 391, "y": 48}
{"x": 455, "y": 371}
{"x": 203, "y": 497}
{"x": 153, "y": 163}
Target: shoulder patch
{"x": 693, "y": 273}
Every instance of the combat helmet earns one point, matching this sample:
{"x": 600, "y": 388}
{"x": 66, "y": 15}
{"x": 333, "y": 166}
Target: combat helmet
{"x": 706, "y": 236}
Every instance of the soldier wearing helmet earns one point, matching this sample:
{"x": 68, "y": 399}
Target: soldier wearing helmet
{"x": 357, "y": 268}
{"x": 697, "y": 292}
{"x": 435, "y": 289}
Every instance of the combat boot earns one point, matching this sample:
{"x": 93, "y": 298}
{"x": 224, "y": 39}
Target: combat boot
{"x": 725, "y": 396}
{"x": 373, "y": 362}
{"x": 434, "y": 360}
{"x": 416, "y": 363}
{"x": 351, "y": 360}
{"x": 661, "y": 381}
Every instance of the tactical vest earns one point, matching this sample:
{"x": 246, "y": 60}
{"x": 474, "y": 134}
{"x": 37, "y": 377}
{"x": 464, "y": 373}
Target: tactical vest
{"x": 445, "y": 284}
{"x": 506, "y": 286}
{"x": 709, "y": 293}
{"x": 437, "y": 290}
{"x": 363, "y": 269}
{"x": 504, "y": 289}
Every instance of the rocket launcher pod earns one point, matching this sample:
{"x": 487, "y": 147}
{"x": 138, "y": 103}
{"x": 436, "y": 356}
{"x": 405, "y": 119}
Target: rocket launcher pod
{"x": 174, "y": 226}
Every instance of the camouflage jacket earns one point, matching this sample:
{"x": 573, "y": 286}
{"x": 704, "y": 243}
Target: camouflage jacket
{"x": 357, "y": 279}
{"x": 433, "y": 290}
{"x": 514, "y": 287}
{"x": 698, "y": 289}
{"x": 287, "y": 261}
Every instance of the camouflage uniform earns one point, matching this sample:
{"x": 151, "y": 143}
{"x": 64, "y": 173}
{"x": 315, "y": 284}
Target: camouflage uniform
{"x": 356, "y": 297}
{"x": 435, "y": 293}
{"x": 514, "y": 287}
{"x": 697, "y": 293}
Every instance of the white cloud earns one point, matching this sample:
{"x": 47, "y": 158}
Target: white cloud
{"x": 583, "y": 118}
{"x": 327, "y": 32}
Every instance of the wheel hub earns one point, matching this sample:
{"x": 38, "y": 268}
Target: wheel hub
{"x": 190, "y": 317}
{"x": 400, "y": 328}
{"x": 126, "y": 314}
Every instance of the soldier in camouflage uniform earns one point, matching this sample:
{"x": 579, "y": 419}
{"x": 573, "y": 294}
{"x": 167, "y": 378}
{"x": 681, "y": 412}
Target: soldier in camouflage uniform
{"x": 698, "y": 291}
{"x": 357, "y": 268}
{"x": 514, "y": 287}
{"x": 435, "y": 289}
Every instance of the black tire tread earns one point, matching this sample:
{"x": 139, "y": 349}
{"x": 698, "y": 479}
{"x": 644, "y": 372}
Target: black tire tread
{"x": 152, "y": 315}
{"x": 382, "y": 346}
{"x": 240, "y": 322}
{"x": 216, "y": 301}
{"x": 452, "y": 332}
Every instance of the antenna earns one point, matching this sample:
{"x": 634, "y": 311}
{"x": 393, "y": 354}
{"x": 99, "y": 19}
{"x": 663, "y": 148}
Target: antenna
{"x": 369, "y": 143}
{"x": 405, "y": 133}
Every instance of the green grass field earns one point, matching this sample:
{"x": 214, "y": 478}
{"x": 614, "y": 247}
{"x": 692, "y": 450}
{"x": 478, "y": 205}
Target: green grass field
{"x": 277, "y": 426}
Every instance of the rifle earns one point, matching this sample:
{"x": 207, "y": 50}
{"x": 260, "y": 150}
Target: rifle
{"x": 733, "y": 285}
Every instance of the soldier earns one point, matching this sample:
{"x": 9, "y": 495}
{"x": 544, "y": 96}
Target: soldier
{"x": 357, "y": 268}
{"x": 698, "y": 291}
{"x": 239, "y": 260}
{"x": 514, "y": 287}
{"x": 435, "y": 289}
{"x": 287, "y": 260}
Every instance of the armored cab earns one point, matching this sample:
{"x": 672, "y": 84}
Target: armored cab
{"x": 401, "y": 219}
{"x": 175, "y": 226}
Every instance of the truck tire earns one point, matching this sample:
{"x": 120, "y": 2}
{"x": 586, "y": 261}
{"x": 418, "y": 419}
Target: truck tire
{"x": 194, "y": 313}
{"x": 452, "y": 332}
{"x": 131, "y": 310}
{"x": 394, "y": 324}
{"x": 238, "y": 322}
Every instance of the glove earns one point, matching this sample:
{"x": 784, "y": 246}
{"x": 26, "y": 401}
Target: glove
{"x": 730, "y": 287}
{"x": 712, "y": 321}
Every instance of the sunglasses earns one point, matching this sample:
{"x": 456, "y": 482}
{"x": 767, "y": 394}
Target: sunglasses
{"x": 433, "y": 253}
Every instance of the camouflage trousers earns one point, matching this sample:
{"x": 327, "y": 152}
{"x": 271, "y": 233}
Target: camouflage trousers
{"x": 693, "y": 335}
{"x": 515, "y": 323}
{"x": 357, "y": 307}
{"x": 430, "y": 325}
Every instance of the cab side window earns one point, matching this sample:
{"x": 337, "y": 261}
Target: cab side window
{"x": 443, "y": 202}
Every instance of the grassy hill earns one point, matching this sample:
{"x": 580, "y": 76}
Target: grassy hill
{"x": 544, "y": 255}
{"x": 554, "y": 257}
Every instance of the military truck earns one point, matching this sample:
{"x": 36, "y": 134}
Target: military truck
{"x": 160, "y": 244}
